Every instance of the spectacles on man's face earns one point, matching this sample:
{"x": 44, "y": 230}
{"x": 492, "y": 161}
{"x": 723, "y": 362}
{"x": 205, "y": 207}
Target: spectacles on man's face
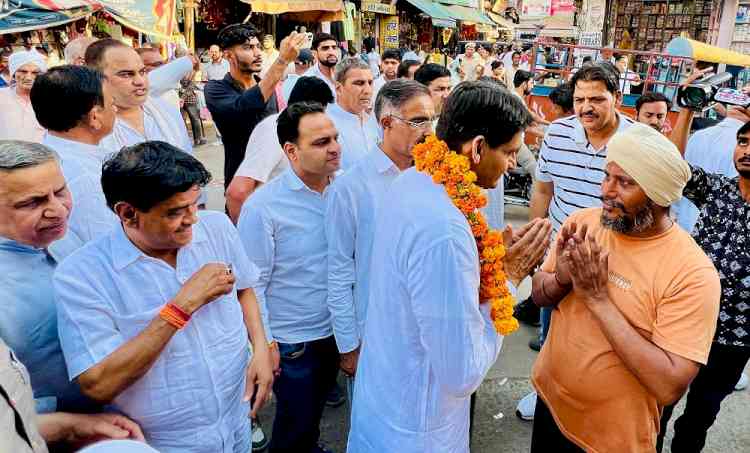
{"x": 419, "y": 124}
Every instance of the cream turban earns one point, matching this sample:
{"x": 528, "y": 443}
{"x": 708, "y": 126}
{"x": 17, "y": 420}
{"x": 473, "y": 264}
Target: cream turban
{"x": 19, "y": 59}
{"x": 652, "y": 161}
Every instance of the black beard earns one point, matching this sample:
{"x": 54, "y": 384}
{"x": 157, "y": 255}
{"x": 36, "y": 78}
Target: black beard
{"x": 327, "y": 64}
{"x": 247, "y": 68}
{"x": 641, "y": 221}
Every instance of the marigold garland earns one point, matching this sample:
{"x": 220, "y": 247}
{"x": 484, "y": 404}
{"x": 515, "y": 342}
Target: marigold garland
{"x": 452, "y": 170}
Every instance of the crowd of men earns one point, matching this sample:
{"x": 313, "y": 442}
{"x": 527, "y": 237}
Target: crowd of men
{"x": 132, "y": 313}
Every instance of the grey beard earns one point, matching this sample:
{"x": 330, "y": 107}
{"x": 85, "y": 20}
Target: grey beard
{"x": 641, "y": 221}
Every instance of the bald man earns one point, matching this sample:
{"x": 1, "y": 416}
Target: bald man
{"x": 636, "y": 303}
{"x": 218, "y": 67}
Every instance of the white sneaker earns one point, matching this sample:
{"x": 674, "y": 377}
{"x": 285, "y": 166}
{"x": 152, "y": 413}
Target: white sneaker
{"x": 742, "y": 383}
{"x": 526, "y": 407}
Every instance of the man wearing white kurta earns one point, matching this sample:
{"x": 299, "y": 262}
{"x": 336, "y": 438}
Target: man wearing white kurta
{"x": 74, "y": 133}
{"x": 428, "y": 342}
{"x": 405, "y": 111}
{"x": 140, "y": 115}
{"x": 358, "y": 130}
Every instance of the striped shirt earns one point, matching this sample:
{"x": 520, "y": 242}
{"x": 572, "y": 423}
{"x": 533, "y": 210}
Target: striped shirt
{"x": 573, "y": 166}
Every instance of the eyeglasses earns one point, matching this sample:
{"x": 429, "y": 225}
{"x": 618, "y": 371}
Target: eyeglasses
{"x": 415, "y": 124}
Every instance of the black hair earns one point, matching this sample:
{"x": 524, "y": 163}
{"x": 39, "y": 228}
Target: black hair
{"x": 403, "y": 67}
{"x": 96, "y": 51}
{"x": 604, "y": 72}
{"x": 496, "y": 64}
{"x": 481, "y": 108}
{"x": 236, "y": 34}
{"x": 287, "y": 124}
{"x": 77, "y": 88}
{"x": 648, "y": 98}
{"x": 493, "y": 80}
{"x": 562, "y": 96}
{"x": 392, "y": 54}
{"x": 587, "y": 59}
{"x": 429, "y": 72}
{"x": 521, "y": 77}
{"x": 515, "y": 53}
{"x": 320, "y": 38}
{"x": 744, "y": 130}
{"x": 149, "y": 173}
{"x": 311, "y": 89}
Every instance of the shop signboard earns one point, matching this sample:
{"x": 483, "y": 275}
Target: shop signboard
{"x": 380, "y": 8}
{"x": 153, "y": 17}
{"x": 389, "y": 32}
{"x": 23, "y": 15}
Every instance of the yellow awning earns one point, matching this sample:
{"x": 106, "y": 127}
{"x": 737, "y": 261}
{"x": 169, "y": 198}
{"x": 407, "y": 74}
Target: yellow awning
{"x": 684, "y": 47}
{"x": 306, "y": 10}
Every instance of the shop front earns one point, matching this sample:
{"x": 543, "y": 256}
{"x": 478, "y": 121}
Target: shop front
{"x": 423, "y": 24}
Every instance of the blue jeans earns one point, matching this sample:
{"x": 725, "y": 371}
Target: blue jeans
{"x": 546, "y": 318}
{"x": 308, "y": 372}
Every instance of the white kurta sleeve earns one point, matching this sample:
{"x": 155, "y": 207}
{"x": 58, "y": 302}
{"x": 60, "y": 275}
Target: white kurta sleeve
{"x": 256, "y": 232}
{"x": 341, "y": 236}
{"x": 460, "y": 341}
{"x": 166, "y": 77}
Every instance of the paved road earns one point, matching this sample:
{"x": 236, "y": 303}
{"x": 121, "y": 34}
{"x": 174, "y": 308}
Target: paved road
{"x": 497, "y": 428}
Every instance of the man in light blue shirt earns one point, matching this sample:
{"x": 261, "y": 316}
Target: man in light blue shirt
{"x": 74, "y": 133}
{"x": 358, "y": 130}
{"x": 405, "y": 111}
{"x": 34, "y": 208}
{"x": 155, "y": 316}
{"x": 711, "y": 149}
{"x": 282, "y": 228}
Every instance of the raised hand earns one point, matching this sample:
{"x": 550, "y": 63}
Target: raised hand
{"x": 212, "y": 281}
{"x": 290, "y": 46}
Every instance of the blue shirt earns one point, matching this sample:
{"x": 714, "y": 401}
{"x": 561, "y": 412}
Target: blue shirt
{"x": 190, "y": 400}
{"x": 282, "y": 228}
{"x": 28, "y": 324}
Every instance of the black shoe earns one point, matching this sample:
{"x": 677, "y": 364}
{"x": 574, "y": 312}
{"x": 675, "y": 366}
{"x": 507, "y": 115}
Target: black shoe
{"x": 335, "y": 397}
{"x": 527, "y": 312}
{"x": 535, "y": 344}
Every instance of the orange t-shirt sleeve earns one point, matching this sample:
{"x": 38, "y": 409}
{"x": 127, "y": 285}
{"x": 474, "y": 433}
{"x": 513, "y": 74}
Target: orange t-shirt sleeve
{"x": 686, "y": 317}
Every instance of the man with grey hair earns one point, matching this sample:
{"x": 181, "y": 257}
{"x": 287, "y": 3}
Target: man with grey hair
{"x": 405, "y": 111}
{"x": 34, "y": 207}
{"x": 358, "y": 130}
{"x": 75, "y": 50}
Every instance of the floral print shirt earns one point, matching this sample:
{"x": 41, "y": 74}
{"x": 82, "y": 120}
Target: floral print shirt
{"x": 723, "y": 231}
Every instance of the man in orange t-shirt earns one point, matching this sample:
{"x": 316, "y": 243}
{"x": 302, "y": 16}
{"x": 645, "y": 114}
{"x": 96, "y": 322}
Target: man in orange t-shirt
{"x": 636, "y": 303}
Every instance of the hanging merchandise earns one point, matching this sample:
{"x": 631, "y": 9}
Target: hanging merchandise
{"x": 447, "y": 33}
{"x": 350, "y": 15}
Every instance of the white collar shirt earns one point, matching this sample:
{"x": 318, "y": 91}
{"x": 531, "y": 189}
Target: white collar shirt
{"x": 282, "y": 229}
{"x": 190, "y": 400}
{"x": 352, "y": 205}
{"x": 427, "y": 343}
{"x": 377, "y": 83}
{"x": 711, "y": 149}
{"x": 356, "y": 136}
{"x": 90, "y": 216}
{"x": 315, "y": 71}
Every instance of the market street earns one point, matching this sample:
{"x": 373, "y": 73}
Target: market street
{"x": 497, "y": 427}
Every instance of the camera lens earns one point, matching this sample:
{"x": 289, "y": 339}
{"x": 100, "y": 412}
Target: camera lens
{"x": 694, "y": 97}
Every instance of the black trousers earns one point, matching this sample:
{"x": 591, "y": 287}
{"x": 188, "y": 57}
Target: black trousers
{"x": 194, "y": 116}
{"x": 713, "y": 383}
{"x": 546, "y": 436}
